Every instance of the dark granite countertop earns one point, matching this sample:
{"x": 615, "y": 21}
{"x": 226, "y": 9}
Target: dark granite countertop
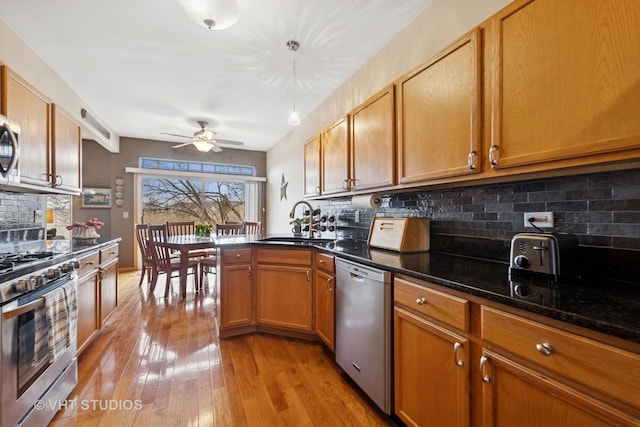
{"x": 604, "y": 306}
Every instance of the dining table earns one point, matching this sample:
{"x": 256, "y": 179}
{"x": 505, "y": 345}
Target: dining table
{"x": 186, "y": 244}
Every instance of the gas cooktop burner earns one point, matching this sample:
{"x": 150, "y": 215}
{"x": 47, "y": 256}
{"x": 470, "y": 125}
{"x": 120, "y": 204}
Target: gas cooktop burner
{"x": 9, "y": 261}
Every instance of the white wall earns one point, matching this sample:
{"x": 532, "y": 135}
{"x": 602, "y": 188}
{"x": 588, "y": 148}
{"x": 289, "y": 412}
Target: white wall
{"x": 439, "y": 25}
{"x": 18, "y": 56}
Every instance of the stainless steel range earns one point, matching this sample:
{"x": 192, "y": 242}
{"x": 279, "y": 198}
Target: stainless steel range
{"x": 38, "y": 367}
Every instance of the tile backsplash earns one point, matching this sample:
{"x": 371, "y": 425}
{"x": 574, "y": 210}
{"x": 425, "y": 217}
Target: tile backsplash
{"x": 17, "y": 210}
{"x": 602, "y": 209}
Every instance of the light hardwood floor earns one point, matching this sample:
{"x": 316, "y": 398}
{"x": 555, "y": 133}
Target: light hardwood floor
{"x": 159, "y": 362}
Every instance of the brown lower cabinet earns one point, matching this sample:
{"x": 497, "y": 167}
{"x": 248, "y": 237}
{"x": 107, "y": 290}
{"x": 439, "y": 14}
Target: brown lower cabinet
{"x": 97, "y": 292}
{"x": 88, "y": 320}
{"x": 284, "y": 289}
{"x": 324, "y": 299}
{"x": 500, "y": 368}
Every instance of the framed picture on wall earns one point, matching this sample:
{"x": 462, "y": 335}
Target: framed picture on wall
{"x": 96, "y": 198}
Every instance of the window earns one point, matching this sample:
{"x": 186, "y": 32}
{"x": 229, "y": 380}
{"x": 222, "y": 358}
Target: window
{"x": 211, "y": 193}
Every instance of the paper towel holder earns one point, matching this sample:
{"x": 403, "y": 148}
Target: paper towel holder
{"x": 369, "y": 201}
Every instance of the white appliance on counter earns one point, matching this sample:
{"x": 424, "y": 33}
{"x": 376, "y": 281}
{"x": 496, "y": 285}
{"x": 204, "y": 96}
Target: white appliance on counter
{"x": 9, "y": 151}
{"x": 363, "y": 328}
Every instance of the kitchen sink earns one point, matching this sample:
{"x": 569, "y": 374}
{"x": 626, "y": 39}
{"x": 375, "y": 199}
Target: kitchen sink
{"x": 301, "y": 240}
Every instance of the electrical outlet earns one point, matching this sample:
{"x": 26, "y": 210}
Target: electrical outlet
{"x": 540, "y": 219}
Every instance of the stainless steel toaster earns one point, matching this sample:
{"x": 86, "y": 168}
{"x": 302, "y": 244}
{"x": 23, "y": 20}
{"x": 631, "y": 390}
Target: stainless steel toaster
{"x": 554, "y": 254}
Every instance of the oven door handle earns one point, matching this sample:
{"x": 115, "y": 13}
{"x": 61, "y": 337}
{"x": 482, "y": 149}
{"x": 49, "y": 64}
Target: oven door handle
{"x": 22, "y": 309}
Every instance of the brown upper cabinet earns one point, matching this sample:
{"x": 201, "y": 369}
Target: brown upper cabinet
{"x": 373, "y": 147}
{"x": 67, "y": 151}
{"x": 30, "y": 109}
{"x": 564, "y": 83}
{"x": 335, "y": 157}
{"x": 50, "y": 141}
{"x": 439, "y": 119}
{"x": 312, "y": 162}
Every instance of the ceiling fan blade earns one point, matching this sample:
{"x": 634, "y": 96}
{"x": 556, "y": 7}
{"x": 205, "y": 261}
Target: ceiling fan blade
{"x": 216, "y": 148}
{"x": 182, "y": 145}
{"x": 229, "y": 142}
{"x": 175, "y": 134}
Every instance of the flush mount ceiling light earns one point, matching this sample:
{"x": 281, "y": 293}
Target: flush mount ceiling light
{"x": 294, "y": 118}
{"x": 211, "y": 14}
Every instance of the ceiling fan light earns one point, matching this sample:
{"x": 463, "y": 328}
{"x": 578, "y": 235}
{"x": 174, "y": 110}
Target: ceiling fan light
{"x": 211, "y": 14}
{"x": 203, "y": 146}
{"x": 294, "y": 119}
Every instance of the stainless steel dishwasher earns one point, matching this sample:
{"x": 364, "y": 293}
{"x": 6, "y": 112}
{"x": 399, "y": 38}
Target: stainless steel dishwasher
{"x": 363, "y": 328}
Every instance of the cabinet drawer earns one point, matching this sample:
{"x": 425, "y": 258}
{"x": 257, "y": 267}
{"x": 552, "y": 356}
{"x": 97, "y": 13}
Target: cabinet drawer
{"x": 236, "y": 256}
{"x": 88, "y": 262}
{"x": 446, "y": 308}
{"x": 325, "y": 262}
{"x": 605, "y": 368}
{"x": 284, "y": 256}
{"x": 108, "y": 254}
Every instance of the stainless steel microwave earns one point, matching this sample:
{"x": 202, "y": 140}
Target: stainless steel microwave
{"x": 9, "y": 152}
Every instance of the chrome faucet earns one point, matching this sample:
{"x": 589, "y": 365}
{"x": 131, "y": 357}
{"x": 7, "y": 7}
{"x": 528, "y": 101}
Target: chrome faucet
{"x": 293, "y": 213}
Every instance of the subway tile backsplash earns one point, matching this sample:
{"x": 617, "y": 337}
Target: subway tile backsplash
{"x": 602, "y": 209}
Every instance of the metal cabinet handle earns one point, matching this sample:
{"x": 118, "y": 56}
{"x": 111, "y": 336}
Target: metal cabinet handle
{"x": 329, "y": 286}
{"x": 237, "y": 255}
{"x": 317, "y": 189}
{"x": 471, "y": 160}
{"x": 492, "y": 159}
{"x": 352, "y": 183}
{"x": 321, "y": 261}
{"x": 545, "y": 349}
{"x": 456, "y": 347}
{"x": 89, "y": 263}
{"x": 308, "y": 275}
{"x": 421, "y": 301}
{"x": 485, "y": 377}
{"x": 249, "y": 271}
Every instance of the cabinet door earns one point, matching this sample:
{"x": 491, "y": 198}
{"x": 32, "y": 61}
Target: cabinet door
{"x": 27, "y": 107}
{"x": 66, "y": 148}
{"x": 312, "y": 167}
{"x": 108, "y": 290}
{"x": 324, "y": 297}
{"x": 335, "y": 157}
{"x": 88, "y": 320}
{"x": 236, "y": 295}
{"x": 284, "y": 297}
{"x": 431, "y": 373}
{"x": 439, "y": 121}
{"x": 565, "y": 83}
{"x": 515, "y": 395}
{"x": 373, "y": 147}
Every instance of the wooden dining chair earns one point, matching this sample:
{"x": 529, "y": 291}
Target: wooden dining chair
{"x": 181, "y": 228}
{"x": 224, "y": 229}
{"x": 142, "y": 236}
{"x": 208, "y": 265}
{"x": 185, "y": 228}
{"x": 253, "y": 227}
{"x": 163, "y": 262}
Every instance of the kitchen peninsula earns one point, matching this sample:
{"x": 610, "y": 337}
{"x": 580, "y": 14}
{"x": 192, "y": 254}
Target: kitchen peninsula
{"x": 467, "y": 298}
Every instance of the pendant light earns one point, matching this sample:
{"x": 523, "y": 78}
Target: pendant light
{"x": 211, "y": 14}
{"x": 294, "y": 118}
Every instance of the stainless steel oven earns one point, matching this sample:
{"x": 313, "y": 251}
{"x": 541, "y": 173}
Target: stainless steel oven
{"x": 38, "y": 327}
{"x": 9, "y": 151}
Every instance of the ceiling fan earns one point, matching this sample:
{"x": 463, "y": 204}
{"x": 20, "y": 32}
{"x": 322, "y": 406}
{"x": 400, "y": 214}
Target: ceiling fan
{"x": 204, "y": 139}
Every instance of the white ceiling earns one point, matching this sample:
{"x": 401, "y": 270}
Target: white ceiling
{"x": 143, "y": 67}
